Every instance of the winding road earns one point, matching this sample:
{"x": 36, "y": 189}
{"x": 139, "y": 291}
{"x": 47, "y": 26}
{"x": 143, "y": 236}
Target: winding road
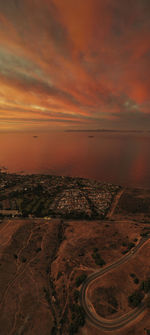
{"x": 123, "y": 320}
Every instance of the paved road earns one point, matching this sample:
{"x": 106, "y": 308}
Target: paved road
{"x": 117, "y": 323}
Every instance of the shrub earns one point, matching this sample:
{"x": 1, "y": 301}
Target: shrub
{"x": 54, "y": 331}
{"x": 23, "y": 259}
{"x": 38, "y": 249}
{"x": 59, "y": 275}
{"x": 145, "y": 285}
{"x": 136, "y": 280}
{"x": 132, "y": 275}
{"x": 80, "y": 279}
{"x": 135, "y": 299}
{"x": 76, "y": 295}
{"x": 98, "y": 259}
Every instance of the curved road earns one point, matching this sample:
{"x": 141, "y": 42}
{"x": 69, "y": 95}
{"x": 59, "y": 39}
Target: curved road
{"x": 123, "y": 320}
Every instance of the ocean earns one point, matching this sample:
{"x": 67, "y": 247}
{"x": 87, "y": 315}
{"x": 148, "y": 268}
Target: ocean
{"x": 118, "y": 158}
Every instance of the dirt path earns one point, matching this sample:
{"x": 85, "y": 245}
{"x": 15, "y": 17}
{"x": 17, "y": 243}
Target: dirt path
{"x": 25, "y": 279}
{"x": 115, "y": 203}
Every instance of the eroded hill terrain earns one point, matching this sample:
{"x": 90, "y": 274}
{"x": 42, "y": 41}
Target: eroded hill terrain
{"x": 46, "y": 263}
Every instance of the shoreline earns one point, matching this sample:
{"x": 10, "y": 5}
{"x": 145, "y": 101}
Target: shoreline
{"x": 25, "y": 174}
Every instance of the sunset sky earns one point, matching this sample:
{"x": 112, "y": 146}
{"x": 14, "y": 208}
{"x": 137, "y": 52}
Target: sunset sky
{"x": 74, "y": 64}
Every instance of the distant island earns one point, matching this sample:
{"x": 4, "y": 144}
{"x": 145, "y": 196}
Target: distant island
{"x": 104, "y": 131}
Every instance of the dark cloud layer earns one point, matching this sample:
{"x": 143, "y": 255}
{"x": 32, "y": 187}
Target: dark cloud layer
{"x": 75, "y": 62}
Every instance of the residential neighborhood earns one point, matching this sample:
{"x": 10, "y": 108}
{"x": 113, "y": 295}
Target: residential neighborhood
{"x": 54, "y": 196}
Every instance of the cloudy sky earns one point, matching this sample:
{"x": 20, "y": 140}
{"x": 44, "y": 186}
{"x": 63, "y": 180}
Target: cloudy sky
{"x": 74, "y": 64}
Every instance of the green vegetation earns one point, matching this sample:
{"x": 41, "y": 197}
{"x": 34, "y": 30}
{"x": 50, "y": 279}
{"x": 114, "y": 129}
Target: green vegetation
{"x": 80, "y": 279}
{"x": 145, "y": 285}
{"x": 95, "y": 249}
{"x": 54, "y": 331}
{"x": 144, "y": 234}
{"x": 130, "y": 245}
{"x": 76, "y": 295}
{"x": 97, "y": 257}
{"x": 112, "y": 300}
{"x": 135, "y": 299}
{"x": 23, "y": 259}
{"x": 38, "y": 249}
{"x": 78, "y": 318}
{"x": 107, "y": 294}
{"x": 132, "y": 275}
{"x": 76, "y": 215}
{"x": 40, "y": 196}
{"x": 59, "y": 275}
{"x": 133, "y": 204}
{"x": 148, "y": 302}
{"x": 136, "y": 280}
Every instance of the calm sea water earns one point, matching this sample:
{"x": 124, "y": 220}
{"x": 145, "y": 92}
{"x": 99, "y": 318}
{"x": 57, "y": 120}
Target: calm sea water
{"x": 111, "y": 157}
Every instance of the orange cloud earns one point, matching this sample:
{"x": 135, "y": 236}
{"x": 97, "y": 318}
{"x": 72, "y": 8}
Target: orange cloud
{"x": 83, "y": 62}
